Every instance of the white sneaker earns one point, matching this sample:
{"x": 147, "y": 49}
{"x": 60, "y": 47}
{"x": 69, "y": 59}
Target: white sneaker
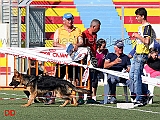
{"x": 109, "y": 97}
{"x": 112, "y": 100}
{"x": 94, "y": 98}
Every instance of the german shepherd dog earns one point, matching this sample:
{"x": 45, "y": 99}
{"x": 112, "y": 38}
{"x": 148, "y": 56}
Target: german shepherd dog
{"x": 39, "y": 85}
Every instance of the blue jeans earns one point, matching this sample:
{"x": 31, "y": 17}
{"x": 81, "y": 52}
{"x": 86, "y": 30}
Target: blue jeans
{"x": 113, "y": 80}
{"x": 135, "y": 75}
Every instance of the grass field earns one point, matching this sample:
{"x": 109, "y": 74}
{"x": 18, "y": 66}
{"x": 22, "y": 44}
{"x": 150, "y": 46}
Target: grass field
{"x": 39, "y": 111}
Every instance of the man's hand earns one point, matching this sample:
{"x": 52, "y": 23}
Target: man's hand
{"x": 130, "y": 56}
{"x": 117, "y": 60}
{"x": 136, "y": 35}
{"x": 75, "y": 48}
{"x": 145, "y": 40}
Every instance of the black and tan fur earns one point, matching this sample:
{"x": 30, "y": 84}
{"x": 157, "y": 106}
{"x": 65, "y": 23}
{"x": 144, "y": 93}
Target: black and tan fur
{"x": 38, "y": 85}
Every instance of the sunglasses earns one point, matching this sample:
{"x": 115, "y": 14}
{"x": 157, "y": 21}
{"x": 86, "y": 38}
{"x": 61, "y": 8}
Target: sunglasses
{"x": 120, "y": 47}
{"x": 70, "y": 19}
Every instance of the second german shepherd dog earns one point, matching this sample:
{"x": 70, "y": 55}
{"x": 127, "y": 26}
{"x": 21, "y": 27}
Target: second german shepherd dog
{"x": 38, "y": 85}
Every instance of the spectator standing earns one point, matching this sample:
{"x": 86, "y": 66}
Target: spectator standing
{"x": 89, "y": 40}
{"x": 100, "y": 56}
{"x": 68, "y": 33}
{"x": 101, "y": 52}
{"x": 143, "y": 39}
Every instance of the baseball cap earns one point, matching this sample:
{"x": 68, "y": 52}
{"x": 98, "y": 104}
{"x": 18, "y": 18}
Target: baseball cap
{"x": 119, "y": 43}
{"x": 68, "y": 16}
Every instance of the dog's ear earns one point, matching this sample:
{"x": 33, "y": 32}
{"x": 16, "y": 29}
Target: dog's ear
{"x": 16, "y": 73}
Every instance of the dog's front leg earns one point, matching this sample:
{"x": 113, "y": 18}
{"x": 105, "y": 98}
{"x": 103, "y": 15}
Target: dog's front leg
{"x": 65, "y": 103}
{"x": 74, "y": 100}
{"x": 31, "y": 99}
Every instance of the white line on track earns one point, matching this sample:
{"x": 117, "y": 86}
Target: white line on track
{"x": 11, "y": 94}
{"x": 145, "y": 111}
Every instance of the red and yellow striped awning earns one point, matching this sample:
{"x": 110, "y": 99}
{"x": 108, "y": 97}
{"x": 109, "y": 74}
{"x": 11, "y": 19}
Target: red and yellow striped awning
{"x": 131, "y": 24}
{"x": 53, "y": 15}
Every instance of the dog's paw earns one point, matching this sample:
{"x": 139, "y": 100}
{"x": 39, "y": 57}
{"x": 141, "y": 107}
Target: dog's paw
{"x": 25, "y": 105}
{"x": 62, "y": 105}
{"x": 76, "y": 104}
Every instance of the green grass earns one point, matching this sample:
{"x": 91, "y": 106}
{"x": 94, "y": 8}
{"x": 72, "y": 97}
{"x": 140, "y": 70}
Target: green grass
{"x": 39, "y": 111}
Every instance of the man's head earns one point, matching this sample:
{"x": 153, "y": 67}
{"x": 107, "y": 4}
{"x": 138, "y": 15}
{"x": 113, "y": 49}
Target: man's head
{"x": 141, "y": 14}
{"x": 68, "y": 19}
{"x": 95, "y": 25}
{"x": 118, "y": 46}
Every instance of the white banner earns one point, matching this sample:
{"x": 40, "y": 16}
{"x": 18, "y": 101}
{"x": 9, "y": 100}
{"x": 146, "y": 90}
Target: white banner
{"x": 146, "y": 80}
{"x": 59, "y": 55}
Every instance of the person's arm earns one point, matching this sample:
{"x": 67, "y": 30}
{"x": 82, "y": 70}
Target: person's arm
{"x": 146, "y": 34}
{"x": 130, "y": 55}
{"x": 79, "y": 40}
{"x": 128, "y": 68}
{"x": 108, "y": 63}
{"x": 56, "y": 40}
{"x": 79, "y": 44}
{"x": 128, "y": 65}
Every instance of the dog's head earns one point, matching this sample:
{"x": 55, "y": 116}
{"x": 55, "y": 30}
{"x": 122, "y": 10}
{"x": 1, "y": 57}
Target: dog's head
{"x": 16, "y": 79}
{"x": 22, "y": 79}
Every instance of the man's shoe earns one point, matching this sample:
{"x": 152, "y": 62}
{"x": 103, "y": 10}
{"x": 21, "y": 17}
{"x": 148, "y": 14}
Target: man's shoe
{"x": 112, "y": 100}
{"x": 91, "y": 101}
{"x": 133, "y": 97}
{"x": 138, "y": 104}
{"x": 101, "y": 102}
{"x": 149, "y": 97}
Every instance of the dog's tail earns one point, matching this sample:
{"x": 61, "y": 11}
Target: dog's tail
{"x": 80, "y": 90}
{"x": 76, "y": 89}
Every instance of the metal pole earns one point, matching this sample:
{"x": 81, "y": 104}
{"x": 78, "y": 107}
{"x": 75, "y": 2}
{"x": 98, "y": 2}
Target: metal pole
{"x": 10, "y": 13}
{"x": 19, "y": 26}
{"x": 74, "y": 74}
{"x": 122, "y": 22}
{"x": 1, "y": 13}
{"x": 27, "y": 26}
{"x": 19, "y": 34}
{"x": 27, "y": 31}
